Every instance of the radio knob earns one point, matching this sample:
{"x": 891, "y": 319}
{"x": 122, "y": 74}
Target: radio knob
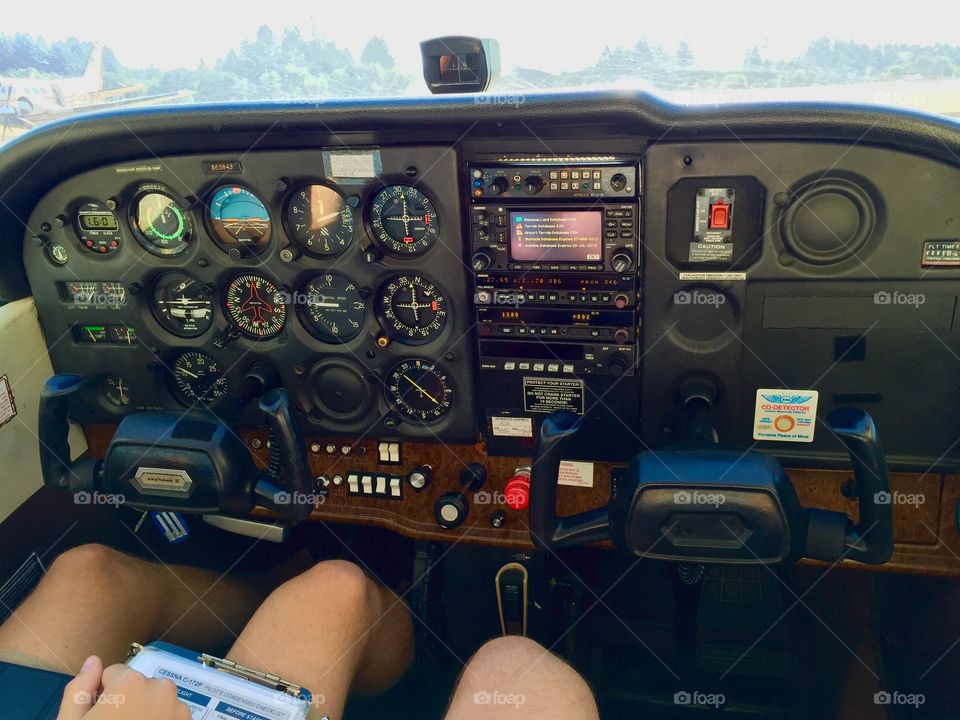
{"x": 497, "y": 186}
{"x": 533, "y": 185}
{"x": 473, "y": 476}
{"x": 482, "y": 260}
{"x": 621, "y": 336}
{"x": 621, "y": 301}
{"x": 618, "y": 182}
{"x": 622, "y": 260}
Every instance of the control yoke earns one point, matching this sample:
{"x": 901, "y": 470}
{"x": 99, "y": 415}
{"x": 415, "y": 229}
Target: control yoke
{"x": 709, "y": 504}
{"x": 191, "y": 462}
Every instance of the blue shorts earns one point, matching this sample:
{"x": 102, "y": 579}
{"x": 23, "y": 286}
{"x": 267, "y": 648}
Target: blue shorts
{"x": 29, "y": 692}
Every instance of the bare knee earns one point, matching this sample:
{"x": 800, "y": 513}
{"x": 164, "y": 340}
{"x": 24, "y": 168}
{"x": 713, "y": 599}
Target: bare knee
{"x": 93, "y": 565}
{"x": 522, "y": 669}
{"x": 332, "y": 585}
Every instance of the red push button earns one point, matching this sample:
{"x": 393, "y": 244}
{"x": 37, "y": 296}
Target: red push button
{"x": 719, "y": 216}
{"x": 517, "y": 492}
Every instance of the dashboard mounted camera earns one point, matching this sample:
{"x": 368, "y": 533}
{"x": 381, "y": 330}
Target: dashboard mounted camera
{"x": 459, "y": 64}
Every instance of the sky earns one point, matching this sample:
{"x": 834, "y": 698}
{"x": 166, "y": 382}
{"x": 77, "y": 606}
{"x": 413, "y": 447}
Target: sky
{"x": 553, "y": 36}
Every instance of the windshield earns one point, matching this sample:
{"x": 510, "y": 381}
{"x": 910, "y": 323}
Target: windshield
{"x": 79, "y": 58}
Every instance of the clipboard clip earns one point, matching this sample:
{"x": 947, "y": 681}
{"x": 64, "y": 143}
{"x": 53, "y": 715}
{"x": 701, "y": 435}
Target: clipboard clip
{"x": 274, "y": 682}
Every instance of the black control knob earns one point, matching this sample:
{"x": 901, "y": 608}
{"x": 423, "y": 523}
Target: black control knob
{"x": 621, "y": 336}
{"x": 618, "y": 182}
{"x": 420, "y": 477}
{"x": 451, "y": 510}
{"x": 617, "y": 365}
{"x": 482, "y": 259}
{"x": 473, "y": 476}
{"x": 622, "y": 260}
{"x": 498, "y": 519}
{"x": 532, "y": 185}
{"x": 497, "y": 186}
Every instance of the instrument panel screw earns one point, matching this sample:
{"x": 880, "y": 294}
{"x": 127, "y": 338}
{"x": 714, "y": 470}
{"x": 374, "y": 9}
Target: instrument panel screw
{"x": 111, "y": 203}
{"x": 202, "y": 262}
{"x": 687, "y": 160}
{"x": 282, "y": 184}
{"x": 298, "y": 370}
{"x": 412, "y": 171}
{"x": 135, "y": 289}
{"x": 46, "y": 227}
{"x": 256, "y": 443}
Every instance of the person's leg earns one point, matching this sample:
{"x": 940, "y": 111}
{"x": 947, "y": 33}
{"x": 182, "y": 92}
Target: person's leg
{"x": 517, "y": 674}
{"x": 96, "y": 601}
{"x": 332, "y": 630}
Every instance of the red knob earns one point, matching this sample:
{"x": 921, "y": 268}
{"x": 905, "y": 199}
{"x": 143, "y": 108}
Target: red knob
{"x": 517, "y": 492}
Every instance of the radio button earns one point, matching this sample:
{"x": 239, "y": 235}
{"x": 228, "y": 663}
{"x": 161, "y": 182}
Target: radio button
{"x": 553, "y": 367}
{"x": 628, "y": 234}
{"x": 610, "y": 234}
{"x": 568, "y": 368}
{"x": 554, "y": 186}
{"x": 553, "y": 175}
{"x": 524, "y": 366}
{"x": 538, "y": 367}
{"x": 509, "y": 366}
{"x": 611, "y": 223}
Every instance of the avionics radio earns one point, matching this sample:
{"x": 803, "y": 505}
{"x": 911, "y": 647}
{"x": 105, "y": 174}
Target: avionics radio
{"x": 555, "y": 247}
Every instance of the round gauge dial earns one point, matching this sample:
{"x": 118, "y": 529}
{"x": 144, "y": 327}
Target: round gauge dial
{"x": 404, "y": 220}
{"x": 319, "y": 220}
{"x": 198, "y": 378}
{"x": 240, "y": 220}
{"x": 181, "y": 304}
{"x": 116, "y": 390}
{"x": 411, "y": 309}
{"x": 333, "y": 309}
{"x": 255, "y": 306}
{"x": 97, "y": 228}
{"x": 420, "y": 390}
{"x": 160, "y": 221}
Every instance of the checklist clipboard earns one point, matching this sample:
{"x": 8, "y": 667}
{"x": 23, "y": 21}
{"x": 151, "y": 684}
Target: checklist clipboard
{"x": 218, "y": 689}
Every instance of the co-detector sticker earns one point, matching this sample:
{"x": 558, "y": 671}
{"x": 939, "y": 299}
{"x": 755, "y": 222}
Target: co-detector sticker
{"x": 785, "y": 415}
